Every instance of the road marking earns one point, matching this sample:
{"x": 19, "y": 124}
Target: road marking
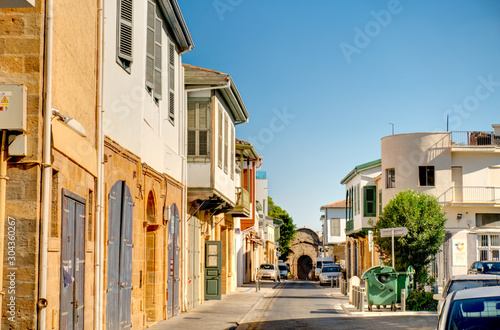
{"x": 266, "y": 308}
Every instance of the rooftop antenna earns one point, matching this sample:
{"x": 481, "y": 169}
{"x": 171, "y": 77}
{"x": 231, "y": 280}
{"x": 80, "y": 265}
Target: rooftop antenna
{"x": 447, "y": 122}
{"x": 392, "y": 128}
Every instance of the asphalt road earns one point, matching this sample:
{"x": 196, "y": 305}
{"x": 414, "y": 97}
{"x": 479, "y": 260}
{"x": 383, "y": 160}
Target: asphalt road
{"x": 306, "y": 305}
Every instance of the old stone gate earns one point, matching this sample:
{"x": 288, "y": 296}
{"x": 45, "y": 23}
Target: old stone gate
{"x": 305, "y": 248}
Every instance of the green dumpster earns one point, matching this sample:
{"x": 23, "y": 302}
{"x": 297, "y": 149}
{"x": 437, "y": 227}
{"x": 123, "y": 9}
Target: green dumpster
{"x": 381, "y": 286}
{"x": 405, "y": 281}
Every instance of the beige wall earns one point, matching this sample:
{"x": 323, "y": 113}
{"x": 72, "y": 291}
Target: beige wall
{"x": 74, "y": 93}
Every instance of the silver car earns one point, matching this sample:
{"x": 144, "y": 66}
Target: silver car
{"x": 328, "y": 272}
{"x": 477, "y": 308}
{"x": 463, "y": 282}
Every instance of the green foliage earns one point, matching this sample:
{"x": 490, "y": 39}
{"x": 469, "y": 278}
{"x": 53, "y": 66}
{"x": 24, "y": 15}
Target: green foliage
{"x": 419, "y": 300}
{"x": 425, "y": 220}
{"x": 287, "y": 229}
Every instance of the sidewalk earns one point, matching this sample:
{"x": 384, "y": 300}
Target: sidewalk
{"x": 351, "y": 310}
{"x": 219, "y": 314}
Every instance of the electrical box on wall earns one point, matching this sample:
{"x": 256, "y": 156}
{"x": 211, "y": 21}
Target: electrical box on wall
{"x": 13, "y": 103}
{"x": 17, "y": 3}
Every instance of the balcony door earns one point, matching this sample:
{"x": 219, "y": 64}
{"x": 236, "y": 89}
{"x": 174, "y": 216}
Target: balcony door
{"x": 457, "y": 183}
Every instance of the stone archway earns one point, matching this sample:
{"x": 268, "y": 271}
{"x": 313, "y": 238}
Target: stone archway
{"x": 304, "y": 266}
{"x": 304, "y": 252}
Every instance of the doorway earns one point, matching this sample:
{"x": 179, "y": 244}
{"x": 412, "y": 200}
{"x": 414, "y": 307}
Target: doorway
{"x": 72, "y": 261}
{"x": 119, "y": 285}
{"x": 304, "y": 266}
{"x": 174, "y": 248}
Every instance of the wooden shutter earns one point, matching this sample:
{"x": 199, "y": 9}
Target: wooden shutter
{"x": 191, "y": 129}
{"x": 171, "y": 81}
{"x": 220, "y": 128}
{"x": 370, "y": 199}
{"x": 124, "y": 44}
{"x": 226, "y": 142}
{"x": 203, "y": 129}
{"x": 150, "y": 45}
{"x": 157, "y": 62}
{"x": 232, "y": 160}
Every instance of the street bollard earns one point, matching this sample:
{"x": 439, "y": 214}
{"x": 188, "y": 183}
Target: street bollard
{"x": 355, "y": 296}
{"x": 403, "y": 300}
{"x": 257, "y": 285}
{"x": 362, "y": 301}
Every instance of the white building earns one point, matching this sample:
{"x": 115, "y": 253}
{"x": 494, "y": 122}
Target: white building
{"x": 334, "y": 222}
{"x": 462, "y": 169}
{"x": 361, "y": 213}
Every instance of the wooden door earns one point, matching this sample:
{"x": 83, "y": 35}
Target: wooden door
{"x": 173, "y": 262}
{"x": 213, "y": 269}
{"x": 72, "y": 306}
{"x": 119, "y": 290}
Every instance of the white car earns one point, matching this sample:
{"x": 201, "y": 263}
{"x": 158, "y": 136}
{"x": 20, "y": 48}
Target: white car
{"x": 268, "y": 271}
{"x": 477, "y": 308}
{"x": 328, "y": 272}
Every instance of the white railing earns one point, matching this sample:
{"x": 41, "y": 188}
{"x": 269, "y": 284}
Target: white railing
{"x": 471, "y": 194}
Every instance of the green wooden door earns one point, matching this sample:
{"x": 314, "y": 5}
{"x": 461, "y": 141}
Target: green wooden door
{"x": 213, "y": 268}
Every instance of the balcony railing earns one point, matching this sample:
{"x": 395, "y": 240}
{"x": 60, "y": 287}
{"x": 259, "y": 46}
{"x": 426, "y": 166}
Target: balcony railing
{"x": 242, "y": 199}
{"x": 349, "y": 226}
{"x": 471, "y": 194}
{"x": 473, "y": 138}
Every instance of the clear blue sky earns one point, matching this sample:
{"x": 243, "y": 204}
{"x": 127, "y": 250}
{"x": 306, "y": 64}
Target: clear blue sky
{"x": 322, "y": 79}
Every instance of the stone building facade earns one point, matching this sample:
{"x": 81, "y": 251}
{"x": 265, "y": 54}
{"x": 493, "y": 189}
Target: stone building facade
{"x": 305, "y": 249}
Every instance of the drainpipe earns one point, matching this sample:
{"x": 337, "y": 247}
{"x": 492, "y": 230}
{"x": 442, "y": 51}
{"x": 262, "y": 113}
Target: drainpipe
{"x": 228, "y": 85}
{"x": 3, "y": 191}
{"x": 46, "y": 167}
{"x": 99, "y": 225}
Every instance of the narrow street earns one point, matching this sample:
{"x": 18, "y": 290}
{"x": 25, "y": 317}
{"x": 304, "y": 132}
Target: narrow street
{"x": 305, "y": 304}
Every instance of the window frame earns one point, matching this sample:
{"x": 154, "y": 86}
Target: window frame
{"x": 426, "y": 169}
{"x": 197, "y": 129}
{"x": 335, "y": 227}
{"x": 390, "y": 178}
{"x": 372, "y": 202}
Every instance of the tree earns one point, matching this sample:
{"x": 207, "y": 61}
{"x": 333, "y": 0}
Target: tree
{"x": 287, "y": 229}
{"x": 425, "y": 220}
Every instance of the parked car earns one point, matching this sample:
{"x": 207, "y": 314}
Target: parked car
{"x": 328, "y": 272}
{"x": 463, "y": 282}
{"x": 477, "y": 308}
{"x": 485, "y": 267}
{"x": 267, "y": 271}
{"x": 283, "y": 270}
{"x": 320, "y": 262}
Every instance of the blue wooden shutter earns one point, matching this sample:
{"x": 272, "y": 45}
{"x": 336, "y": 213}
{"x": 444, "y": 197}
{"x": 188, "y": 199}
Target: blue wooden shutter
{"x": 112, "y": 302}
{"x": 125, "y": 284}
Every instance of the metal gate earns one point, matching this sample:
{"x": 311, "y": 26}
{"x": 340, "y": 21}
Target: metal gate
{"x": 72, "y": 261}
{"x": 119, "y": 291}
{"x": 173, "y": 260}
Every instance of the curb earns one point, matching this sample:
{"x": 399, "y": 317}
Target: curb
{"x": 384, "y": 313}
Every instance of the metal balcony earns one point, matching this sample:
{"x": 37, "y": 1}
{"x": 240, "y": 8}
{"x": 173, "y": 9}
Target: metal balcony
{"x": 474, "y": 138}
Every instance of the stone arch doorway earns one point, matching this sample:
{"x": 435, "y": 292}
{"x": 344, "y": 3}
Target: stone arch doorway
{"x": 304, "y": 266}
